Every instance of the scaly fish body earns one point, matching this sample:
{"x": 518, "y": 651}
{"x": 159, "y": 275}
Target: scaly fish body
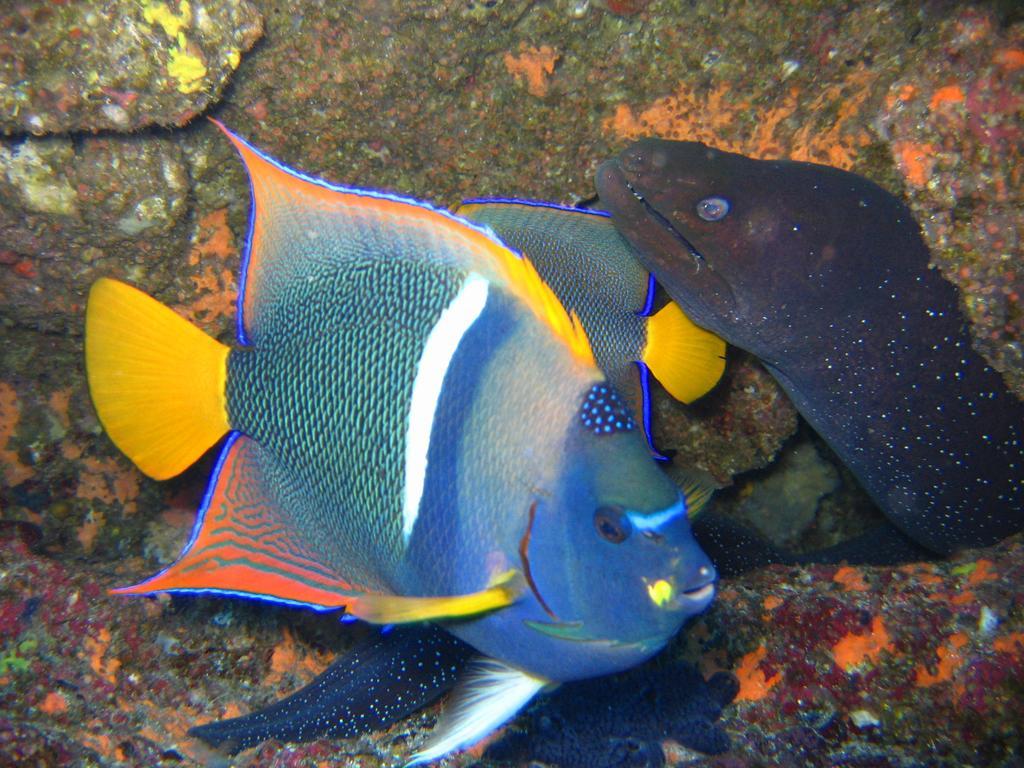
{"x": 596, "y": 274}
{"x": 418, "y": 431}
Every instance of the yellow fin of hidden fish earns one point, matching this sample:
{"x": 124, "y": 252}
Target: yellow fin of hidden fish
{"x": 397, "y": 609}
{"x": 156, "y": 380}
{"x": 685, "y": 358}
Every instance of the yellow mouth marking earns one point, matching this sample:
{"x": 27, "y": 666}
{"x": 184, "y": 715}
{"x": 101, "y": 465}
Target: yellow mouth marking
{"x": 660, "y": 592}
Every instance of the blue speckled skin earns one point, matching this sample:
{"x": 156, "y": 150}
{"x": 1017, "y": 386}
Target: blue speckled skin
{"x": 620, "y": 722}
{"x": 383, "y": 679}
{"x": 824, "y": 276}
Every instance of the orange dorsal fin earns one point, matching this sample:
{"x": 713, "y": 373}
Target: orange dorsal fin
{"x": 349, "y": 223}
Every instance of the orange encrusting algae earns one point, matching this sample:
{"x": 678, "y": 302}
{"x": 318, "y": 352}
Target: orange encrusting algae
{"x": 690, "y": 115}
{"x": 287, "y": 658}
{"x": 950, "y": 94}
{"x": 915, "y": 160}
{"x": 213, "y": 254}
{"x": 12, "y": 469}
{"x": 96, "y": 648}
{"x": 855, "y": 650}
{"x": 851, "y": 579}
{"x": 950, "y": 659}
{"x": 533, "y": 66}
{"x": 754, "y": 684}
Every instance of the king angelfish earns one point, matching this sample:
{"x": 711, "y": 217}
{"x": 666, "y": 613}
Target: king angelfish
{"x": 417, "y": 430}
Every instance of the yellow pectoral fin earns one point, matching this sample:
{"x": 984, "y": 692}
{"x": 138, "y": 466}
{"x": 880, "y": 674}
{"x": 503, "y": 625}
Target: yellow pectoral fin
{"x": 396, "y": 609}
{"x": 685, "y": 358}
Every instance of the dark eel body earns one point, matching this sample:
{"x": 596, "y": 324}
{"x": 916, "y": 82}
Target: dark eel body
{"x": 823, "y": 275}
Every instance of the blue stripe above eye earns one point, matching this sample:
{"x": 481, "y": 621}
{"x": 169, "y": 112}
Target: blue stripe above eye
{"x": 651, "y": 521}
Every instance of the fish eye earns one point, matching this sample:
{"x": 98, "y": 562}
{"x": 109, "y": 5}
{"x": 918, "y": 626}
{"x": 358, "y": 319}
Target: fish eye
{"x": 612, "y": 524}
{"x": 713, "y": 208}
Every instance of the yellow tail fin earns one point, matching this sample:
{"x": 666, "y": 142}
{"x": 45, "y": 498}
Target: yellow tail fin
{"x": 686, "y": 359}
{"x": 156, "y": 380}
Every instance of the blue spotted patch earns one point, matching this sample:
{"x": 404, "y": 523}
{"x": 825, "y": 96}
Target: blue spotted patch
{"x": 604, "y": 413}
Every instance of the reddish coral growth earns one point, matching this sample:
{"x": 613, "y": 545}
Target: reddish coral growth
{"x": 533, "y": 66}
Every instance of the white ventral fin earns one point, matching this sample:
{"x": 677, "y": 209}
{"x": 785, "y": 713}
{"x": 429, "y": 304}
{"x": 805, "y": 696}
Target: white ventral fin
{"x": 487, "y": 698}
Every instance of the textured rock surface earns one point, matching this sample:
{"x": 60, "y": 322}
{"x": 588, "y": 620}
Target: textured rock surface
{"x": 117, "y": 65}
{"x": 444, "y": 101}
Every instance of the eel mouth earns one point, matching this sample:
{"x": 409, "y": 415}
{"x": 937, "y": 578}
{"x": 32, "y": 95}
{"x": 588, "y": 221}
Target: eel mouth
{"x": 663, "y": 221}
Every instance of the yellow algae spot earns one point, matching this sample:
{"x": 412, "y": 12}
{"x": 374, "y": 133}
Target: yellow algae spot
{"x": 187, "y": 68}
{"x": 172, "y": 23}
{"x": 853, "y": 650}
{"x": 950, "y": 660}
{"x": 232, "y": 58}
{"x": 660, "y": 592}
{"x": 534, "y": 66}
{"x": 851, "y": 579}
{"x": 950, "y": 94}
{"x": 754, "y": 685}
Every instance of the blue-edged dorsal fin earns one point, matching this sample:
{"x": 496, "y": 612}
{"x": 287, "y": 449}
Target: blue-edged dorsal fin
{"x": 298, "y": 223}
{"x": 244, "y": 545}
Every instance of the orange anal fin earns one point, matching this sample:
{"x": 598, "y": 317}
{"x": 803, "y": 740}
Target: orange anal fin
{"x": 243, "y": 545}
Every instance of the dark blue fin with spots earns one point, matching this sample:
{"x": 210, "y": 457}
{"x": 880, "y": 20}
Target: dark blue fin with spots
{"x": 379, "y": 682}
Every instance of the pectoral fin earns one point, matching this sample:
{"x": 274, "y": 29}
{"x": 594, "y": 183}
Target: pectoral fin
{"x": 397, "y": 609}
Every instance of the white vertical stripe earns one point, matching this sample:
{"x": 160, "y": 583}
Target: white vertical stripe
{"x": 444, "y": 339}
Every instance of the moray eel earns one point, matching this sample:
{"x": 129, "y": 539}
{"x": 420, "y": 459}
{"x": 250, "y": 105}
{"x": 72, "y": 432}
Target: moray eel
{"x": 824, "y": 276}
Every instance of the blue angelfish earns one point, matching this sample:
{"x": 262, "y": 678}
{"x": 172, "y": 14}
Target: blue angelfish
{"x": 417, "y": 431}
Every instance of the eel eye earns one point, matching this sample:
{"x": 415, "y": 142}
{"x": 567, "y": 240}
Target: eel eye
{"x": 612, "y": 524}
{"x": 713, "y": 208}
